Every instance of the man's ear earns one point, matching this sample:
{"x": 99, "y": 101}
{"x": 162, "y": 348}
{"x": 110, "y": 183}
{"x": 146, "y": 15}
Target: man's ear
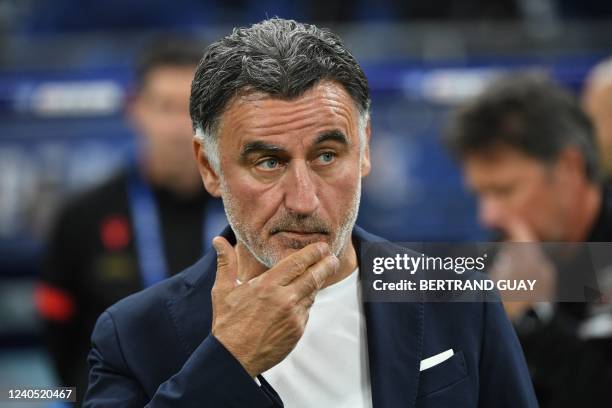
{"x": 210, "y": 178}
{"x": 365, "y": 160}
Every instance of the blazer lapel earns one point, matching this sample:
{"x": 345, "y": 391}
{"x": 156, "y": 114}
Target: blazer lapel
{"x": 192, "y": 310}
{"x": 395, "y": 343}
{"x": 395, "y": 338}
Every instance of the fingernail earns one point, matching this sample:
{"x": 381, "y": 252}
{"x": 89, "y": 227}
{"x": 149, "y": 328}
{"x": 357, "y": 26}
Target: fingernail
{"x": 216, "y": 245}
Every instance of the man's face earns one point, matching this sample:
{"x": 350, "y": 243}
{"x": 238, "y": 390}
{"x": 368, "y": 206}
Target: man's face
{"x": 160, "y": 113}
{"x": 291, "y": 170}
{"x": 598, "y": 104}
{"x": 514, "y": 190}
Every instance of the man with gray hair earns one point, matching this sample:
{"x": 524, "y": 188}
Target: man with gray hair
{"x": 281, "y": 117}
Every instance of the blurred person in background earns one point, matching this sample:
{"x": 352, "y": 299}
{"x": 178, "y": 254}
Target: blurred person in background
{"x": 149, "y": 221}
{"x": 528, "y": 152}
{"x": 597, "y": 101}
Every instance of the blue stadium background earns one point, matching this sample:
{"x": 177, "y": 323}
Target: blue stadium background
{"x": 66, "y": 71}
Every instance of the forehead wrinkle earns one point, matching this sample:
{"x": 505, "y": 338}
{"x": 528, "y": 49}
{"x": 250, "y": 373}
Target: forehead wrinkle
{"x": 306, "y": 122}
{"x": 304, "y": 106}
{"x": 275, "y": 117}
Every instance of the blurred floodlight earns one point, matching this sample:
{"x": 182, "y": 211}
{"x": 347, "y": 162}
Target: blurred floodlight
{"x": 75, "y": 98}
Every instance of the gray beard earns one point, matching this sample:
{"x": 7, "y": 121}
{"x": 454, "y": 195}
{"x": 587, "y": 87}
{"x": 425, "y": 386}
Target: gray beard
{"x": 269, "y": 259}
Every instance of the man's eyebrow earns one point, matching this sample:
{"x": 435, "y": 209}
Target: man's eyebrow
{"x": 258, "y": 146}
{"x": 333, "y": 136}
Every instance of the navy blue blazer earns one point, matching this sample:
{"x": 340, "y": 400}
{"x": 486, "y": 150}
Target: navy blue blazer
{"x": 155, "y": 349}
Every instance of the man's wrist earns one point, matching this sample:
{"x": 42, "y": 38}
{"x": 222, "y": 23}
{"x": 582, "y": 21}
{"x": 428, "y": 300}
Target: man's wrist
{"x": 241, "y": 359}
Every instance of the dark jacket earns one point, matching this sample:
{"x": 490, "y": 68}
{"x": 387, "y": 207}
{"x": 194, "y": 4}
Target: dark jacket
{"x": 567, "y": 370}
{"x": 155, "y": 349}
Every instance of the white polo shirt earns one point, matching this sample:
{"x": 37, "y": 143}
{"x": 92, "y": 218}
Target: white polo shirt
{"x": 329, "y": 365}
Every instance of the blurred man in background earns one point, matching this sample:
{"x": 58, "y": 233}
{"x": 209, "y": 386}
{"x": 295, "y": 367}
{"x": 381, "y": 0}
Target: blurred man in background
{"x": 529, "y": 154}
{"x": 146, "y": 223}
{"x": 597, "y": 101}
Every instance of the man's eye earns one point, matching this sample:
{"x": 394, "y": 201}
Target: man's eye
{"x": 327, "y": 157}
{"x": 269, "y": 164}
{"x": 504, "y": 191}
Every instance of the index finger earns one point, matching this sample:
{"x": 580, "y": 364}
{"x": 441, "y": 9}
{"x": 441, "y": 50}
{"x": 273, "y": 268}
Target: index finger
{"x": 315, "y": 277}
{"x": 297, "y": 263}
{"x": 517, "y": 229}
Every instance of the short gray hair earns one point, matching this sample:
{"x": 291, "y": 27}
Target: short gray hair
{"x": 282, "y": 58}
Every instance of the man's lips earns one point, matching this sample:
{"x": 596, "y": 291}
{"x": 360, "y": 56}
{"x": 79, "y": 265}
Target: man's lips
{"x": 301, "y": 233}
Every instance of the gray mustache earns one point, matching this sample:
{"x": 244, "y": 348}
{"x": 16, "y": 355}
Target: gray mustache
{"x": 304, "y": 224}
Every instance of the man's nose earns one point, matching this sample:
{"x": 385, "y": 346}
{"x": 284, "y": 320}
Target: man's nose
{"x": 490, "y": 212}
{"x": 300, "y": 189}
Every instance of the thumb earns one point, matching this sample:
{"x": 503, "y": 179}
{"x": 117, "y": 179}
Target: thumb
{"x": 226, "y": 263}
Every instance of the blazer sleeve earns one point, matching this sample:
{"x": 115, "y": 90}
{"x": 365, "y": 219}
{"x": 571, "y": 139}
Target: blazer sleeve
{"x": 211, "y": 377}
{"x": 504, "y": 377}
